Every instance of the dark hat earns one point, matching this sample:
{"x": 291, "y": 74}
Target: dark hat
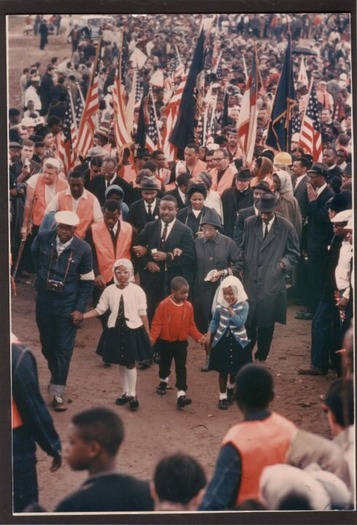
{"x": 267, "y": 203}
{"x": 244, "y": 175}
{"x": 268, "y": 153}
{"x": 148, "y": 183}
{"x": 212, "y": 218}
{"x": 142, "y": 153}
{"x": 37, "y": 140}
{"x": 341, "y": 201}
{"x": 348, "y": 169}
{"x": 15, "y": 145}
{"x": 319, "y": 169}
{"x": 262, "y": 185}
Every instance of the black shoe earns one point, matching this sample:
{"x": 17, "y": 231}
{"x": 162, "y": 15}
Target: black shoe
{"x": 122, "y": 400}
{"x": 223, "y": 404}
{"x": 143, "y": 365}
{"x": 183, "y": 401}
{"x": 58, "y": 404}
{"x": 161, "y": 389}
{"x": 230, "y": 395}
{"x": 312, "y": 372}
{"x": 304, "y": 316}
{"x": 133, "y": 403}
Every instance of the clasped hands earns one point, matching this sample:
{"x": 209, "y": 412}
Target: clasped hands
{"x": 77, "y": 317}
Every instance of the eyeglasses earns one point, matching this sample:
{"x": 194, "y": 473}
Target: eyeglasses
{"x": 218, "y": 159}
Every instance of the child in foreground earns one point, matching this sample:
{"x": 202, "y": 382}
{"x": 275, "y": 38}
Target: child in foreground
{"x": 126, "y": 339}
{"x": 94, "y": 438}
{"x": 227, "y": 328}
{"x": 173, "y": 322}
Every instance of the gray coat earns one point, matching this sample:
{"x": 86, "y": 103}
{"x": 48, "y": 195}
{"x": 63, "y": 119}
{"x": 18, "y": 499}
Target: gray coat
{"x": 263, "y": 278}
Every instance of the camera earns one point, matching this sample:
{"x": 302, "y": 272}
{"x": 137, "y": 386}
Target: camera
{"x": 20, "y": 187}
{"x": 54, "y": 286}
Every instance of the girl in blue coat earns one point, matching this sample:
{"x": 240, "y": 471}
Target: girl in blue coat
{"x": 229, "y": 336}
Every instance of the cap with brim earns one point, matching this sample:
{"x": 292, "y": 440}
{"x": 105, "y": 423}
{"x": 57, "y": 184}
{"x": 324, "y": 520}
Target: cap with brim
{"x": 69, "y": 218}
{"x": 212, "y": 218}
{"x": 148, "y": 183}
{"x": 28, "y": 122}
{"x": 349, "y": 225}
{"x": 243, "y": 175}
{"x": 97, "y": 151}
{"x": 283, "y": 158}
{"x": 16, "y": 145}
{"x": 318, "y": 169}
{"x": 267, "y": 203}
{"x": 342, "y": 216}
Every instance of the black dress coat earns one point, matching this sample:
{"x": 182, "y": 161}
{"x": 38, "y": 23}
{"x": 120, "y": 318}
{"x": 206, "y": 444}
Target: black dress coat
{"x": 232, "y": 202}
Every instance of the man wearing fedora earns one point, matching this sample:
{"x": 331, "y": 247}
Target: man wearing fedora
{"x": 270, "y": 249}
{"x": 243, "y": 214}
{"x": 317, "y": 235}
{"x": 64, "y": 268}
{"x": 145, "y": 209}
{"x": 235, "y": 199}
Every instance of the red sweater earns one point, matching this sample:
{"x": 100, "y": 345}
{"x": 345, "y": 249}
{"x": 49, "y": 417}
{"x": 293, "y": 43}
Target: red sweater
{"x": 174, "y": 322}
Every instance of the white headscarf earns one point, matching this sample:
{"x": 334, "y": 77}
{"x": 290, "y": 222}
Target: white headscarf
{"x": 237, "y": 288}
{"x": 128, "y": 265}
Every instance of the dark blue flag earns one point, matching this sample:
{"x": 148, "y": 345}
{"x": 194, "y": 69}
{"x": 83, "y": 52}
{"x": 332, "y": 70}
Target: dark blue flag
{"x": 279, "y": 130}
{"x": 183, "y": 132}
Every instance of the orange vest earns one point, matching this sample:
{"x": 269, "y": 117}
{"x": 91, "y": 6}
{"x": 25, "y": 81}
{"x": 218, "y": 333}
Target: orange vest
{"x": 105, "y": 249}
{"x": 16, "y": 417}
{"x": 39, "y": 202}
{"x": 226, "y": 181}
{"x": 260, "y": 443}
{"x": 129, "y": 174}
{"x": 84, "y": 210}
{"x": 199, "y": 166}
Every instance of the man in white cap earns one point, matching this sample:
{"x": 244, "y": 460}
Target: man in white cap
{"x": 63, "y": 263}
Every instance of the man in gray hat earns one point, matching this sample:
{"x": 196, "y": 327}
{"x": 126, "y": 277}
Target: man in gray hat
{"x": 64, "y": 268}
{"x": 270, "y": 249}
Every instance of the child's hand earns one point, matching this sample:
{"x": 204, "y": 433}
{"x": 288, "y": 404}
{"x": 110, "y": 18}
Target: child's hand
{"x": 205, "y": 339}
{"x": 77, "y": 317}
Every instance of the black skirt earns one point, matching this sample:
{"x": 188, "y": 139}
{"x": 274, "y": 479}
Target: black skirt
{"x": 228, "y": 356}
{"x": 122, "y": 345}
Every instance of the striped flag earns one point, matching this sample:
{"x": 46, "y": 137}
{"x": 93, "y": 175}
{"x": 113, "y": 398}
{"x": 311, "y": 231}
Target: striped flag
{"x": 310, "y": 134}
{"x": 171, "y": 113}
{"x": 153, "y": 139}
{"x": 302, "y": 76}
{"x": 176, "y": 66}
{"x": 69, "y": 137}
{"x": 247, "y": 120}
{"x": 121, "y": 133}
{"x": 89, "y": 116}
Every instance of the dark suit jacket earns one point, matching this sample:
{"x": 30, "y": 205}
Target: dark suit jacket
{"x": 138, "y": 217}
{"x": 233, "y": 201}
{"x": 334, "y": 178}
{"x": 239, "y": 224}
{"x": 300, "y": 194}
{"x": 97, "y": 187}
{"x": 180, "y": 203}
{"x": 179, "y": 237}
{"x": 318, "y": 227}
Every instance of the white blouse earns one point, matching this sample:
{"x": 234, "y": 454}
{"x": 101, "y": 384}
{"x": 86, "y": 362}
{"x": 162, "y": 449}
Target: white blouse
{"x": 134, "y": 304}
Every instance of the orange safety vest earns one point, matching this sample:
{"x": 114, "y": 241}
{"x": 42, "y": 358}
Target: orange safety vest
{"x": 15, "y": 416}
{"x": 199, "y": 166}
{"x": 39, "y": 202}
{"x": 129, "y": 174}
{"x": 260, "y": 443}
{"x": 106, "y": 256}
{"x": 84, "y": 210}
{"x": 225, "y": 182}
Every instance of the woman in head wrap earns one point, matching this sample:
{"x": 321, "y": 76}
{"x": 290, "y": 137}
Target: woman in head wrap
{"x": 127, "y": 335}
{"x": 288, "y": 205}
{"x": 228, "y": 335}
{"x": 115, "y": 192}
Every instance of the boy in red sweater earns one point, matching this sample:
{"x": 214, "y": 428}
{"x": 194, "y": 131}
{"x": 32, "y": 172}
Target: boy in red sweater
{"x": 172, "y": 324}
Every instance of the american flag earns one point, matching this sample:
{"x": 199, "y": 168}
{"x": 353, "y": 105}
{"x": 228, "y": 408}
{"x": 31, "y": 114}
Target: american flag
{"x": 153, "y": 139}
{"x": 247, "y": 120}
{"x": 171, "y": 113}
{"x": 69, "y": 137}
{"x": 89, "y": 115}
{"x": 310, "y": 135}
{"x": 121, "y": 133}
{"x": 177, "y": 69}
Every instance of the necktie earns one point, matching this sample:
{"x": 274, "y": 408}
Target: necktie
{"x": 265, "y": 230}
{"x": 164, "y": 234}
{"x": 149, "y": 212}
{"x": 112, "y": 235}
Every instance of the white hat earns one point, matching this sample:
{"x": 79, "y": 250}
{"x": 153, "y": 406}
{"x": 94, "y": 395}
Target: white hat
{"x": 342, "y": 216}
{"x": 67, "y": 217}
{"x": 349, "y": 225}
{"x": 28, "y": 122}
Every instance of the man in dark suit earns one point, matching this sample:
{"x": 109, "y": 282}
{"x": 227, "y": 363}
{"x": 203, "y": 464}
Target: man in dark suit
{"x": 317, "y": 235}
{"x": 145, "y": 209}
{"x": 270, "y": 249}
{"x": 164, "y": 249}
{"x": 235, "y": 199}
{"x": 108, "y": 176}
{"x": 299, "y": 180}
{"x": 182, "y": 182}
{"x": 258, "y": 190}
{"x": 334, "y": 173}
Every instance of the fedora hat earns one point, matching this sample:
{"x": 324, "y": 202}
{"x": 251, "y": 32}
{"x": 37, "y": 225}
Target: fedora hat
{"x": 318, "y": 168}
{"x": 267, "y": 203}
{"x": 262, "y": 185}
{"x": 148, "y": 183}
{"x": 243, "y": 175}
